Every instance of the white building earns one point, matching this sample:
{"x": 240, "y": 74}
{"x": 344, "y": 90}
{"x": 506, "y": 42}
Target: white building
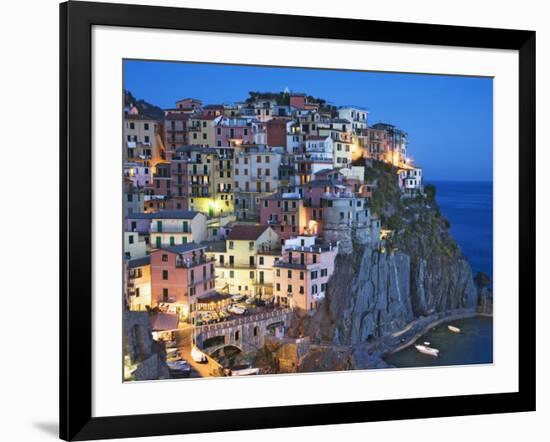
{"x": 355, "y": 115}
{"x": 172, "y": 228}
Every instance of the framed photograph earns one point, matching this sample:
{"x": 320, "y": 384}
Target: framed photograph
{"x": 274, "y": 220}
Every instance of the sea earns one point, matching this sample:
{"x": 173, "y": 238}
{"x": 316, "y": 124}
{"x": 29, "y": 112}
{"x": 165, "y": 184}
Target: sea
{"x": 469, "y": 208}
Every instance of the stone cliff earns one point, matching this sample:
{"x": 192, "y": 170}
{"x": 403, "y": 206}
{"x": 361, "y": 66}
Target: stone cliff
{"x": 377, "y": 291}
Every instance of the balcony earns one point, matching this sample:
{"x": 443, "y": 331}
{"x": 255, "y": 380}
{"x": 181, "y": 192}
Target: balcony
{"x": 187, "y": 263}
{"x": 168, "y": 299}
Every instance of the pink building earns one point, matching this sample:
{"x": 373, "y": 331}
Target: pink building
{"x": 301, "y": 276}
{"x": 285, "y": 213}
{"x": 180, "y": 277}
{"x": 233, "y": 131}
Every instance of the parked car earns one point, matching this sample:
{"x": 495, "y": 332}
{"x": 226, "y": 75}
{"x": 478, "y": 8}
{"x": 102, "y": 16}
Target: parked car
{"x": 238, "y": 297}
{"x": 179, "y": 367}
{"x": 260, "y": 303}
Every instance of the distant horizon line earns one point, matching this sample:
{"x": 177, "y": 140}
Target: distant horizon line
{"x": 458, "y": 181}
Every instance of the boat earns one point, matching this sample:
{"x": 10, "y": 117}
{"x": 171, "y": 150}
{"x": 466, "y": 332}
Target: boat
{"x": 426, "y": 343}
{"x": 453, "y": 329}
{"x": 427, "y": 350}
{"x": 242, "y": 370}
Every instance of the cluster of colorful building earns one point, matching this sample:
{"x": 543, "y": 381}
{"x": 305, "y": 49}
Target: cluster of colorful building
{"x": 253, "y": 198}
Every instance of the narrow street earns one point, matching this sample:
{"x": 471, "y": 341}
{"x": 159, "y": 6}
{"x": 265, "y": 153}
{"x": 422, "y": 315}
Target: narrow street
{"x": 184, "y": 344}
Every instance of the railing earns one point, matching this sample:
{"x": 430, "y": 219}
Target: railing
{"x": 276, "y": 313}
{"x": 188, "y": 263}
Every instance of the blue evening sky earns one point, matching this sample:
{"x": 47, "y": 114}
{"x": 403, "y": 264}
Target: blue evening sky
{"x": 449, "y": 118}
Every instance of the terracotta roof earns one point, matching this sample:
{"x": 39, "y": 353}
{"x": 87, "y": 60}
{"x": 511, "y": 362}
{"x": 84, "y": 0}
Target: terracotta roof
{"x": 138, "y": 117}
{"x": 244, "y": 232}
{"x": 205, "y": 117}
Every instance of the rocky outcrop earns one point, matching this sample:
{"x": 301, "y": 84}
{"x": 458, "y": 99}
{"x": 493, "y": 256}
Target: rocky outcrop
{"x": 146, "y": 358}
{"x": 375, "y": 295}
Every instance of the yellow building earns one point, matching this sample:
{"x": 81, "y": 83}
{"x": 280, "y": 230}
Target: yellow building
{"x": 243, "y": 262}
{"x": 139, "y": 284}
{"x": 201, "y": 130}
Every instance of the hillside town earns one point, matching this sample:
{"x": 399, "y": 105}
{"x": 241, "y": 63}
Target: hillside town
{"x": 234, "y": 215}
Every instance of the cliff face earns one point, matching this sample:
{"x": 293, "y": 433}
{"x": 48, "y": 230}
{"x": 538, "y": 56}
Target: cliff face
{"x": 418, "y": 271}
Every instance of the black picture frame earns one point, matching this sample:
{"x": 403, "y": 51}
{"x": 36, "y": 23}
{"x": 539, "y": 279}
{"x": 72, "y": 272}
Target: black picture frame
{"x": 76, "y": 20}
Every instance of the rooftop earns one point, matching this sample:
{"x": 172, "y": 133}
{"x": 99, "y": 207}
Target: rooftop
{"x": 139, "y": 262}
{"x": 246, "y": 232}
{"x": 174, "y": 214}
{"x": 184, "y": 248}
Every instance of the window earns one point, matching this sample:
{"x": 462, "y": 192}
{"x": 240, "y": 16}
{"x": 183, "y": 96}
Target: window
{"x": 278, "y": 272}
{"x": 165, "y": 274}
{"x": 251, "y": 261}
{"x": 289, "y": 288}
{"x": 146, "y": 126}
{"x": 278, "y": 287}
{"x": 289, "y": 274}
{"x": 314, "y": 274}
{"x": 314, "y": 259}
{"x": 251, "y": 275}
{"x": 231, "y": 245}
{"x": 302, "y": 276}
{"x": 251, "y": 245}
{"x": 301, "y": 290}
{"x": 131, "y": 239}
{"x": 324, "y": 272}
{"x": 314, "y": 289}
{"x": 132, "y": 125}
{"x": 231, "y": 274}
{"x": 261, "y": 260}
{"x": 172, "y": 241}
{"x": 165, "y": 294}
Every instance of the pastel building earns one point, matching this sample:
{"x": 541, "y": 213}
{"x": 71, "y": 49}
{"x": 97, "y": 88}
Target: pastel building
{"x": 171, "y": 228}
{"x": 134, "y": 245}
{"x": 355, "y": 115}
{"x": 285, "y": 213}
{"x": 243, "y": 262}
{"x": 180, "y": 277}
{"x": 201, "y": 130}
{"x": 233, "y": 131}
{"x": 142, "y": 138}
{"x": 138, "y": 173}
{"x": 139, "y": 283}
{"x": 302, "y": 273}
{"x": 410, "y": 179}
{"x": 175, "y": 130}
{"x": 256, "y": 174}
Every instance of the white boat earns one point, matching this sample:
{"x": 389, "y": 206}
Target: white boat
{"x": 427, "y": 350}
{"x": 426, "y": 343}
{"x": 453, "y": 329}
{"x": 244, "y": 371}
